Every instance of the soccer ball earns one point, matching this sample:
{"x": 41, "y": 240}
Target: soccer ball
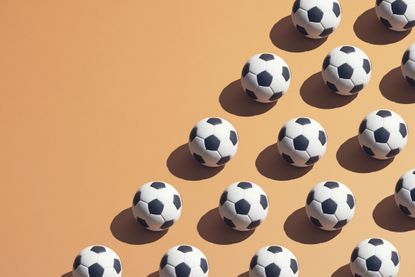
{"x": 157, "y": 206}
{"x": 273, "y": 261}
{"x": 408, "y": 65}
{"x": 184, "y": 261}
{"x": 330, "y": 205}
{"x": 316, "y": 18}
{"x": 383, "y": 134}
{"x": 265, "y": 77}
{"x": 213, "y": 141}
{"x": 302, "y": 141}
{"x": 346, "y": 70}
{"x": 243, "y": 206}
{"x": 97, "y": 261}
{"x": 405, "y": 193}
{"x": 397, "y": 15}
{"x": 375, "y": 257}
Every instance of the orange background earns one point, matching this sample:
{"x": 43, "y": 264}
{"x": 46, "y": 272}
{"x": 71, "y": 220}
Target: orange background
{"x": 98, "y": 97}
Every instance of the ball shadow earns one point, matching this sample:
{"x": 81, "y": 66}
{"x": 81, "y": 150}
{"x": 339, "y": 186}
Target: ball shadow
{"x": 212, "y": 228}
{"x": 235, "y": 101}
{"x": 388, "y": 216}
{"x": 271, "y": 165}
{"x": 154, "y": 274}
{"x": 126, "y": 229}
{"x": 368, "y": 28}
{"x": 67, "y": 274}
{"x": 351, "y": 157}
{"x": 395, "y": 88}
{"x": 245, "y": 274}
{"x": 284, "y": 36}
{"x": 300, "y": 229}
{"x": 315, "y": 93}
{"x": 182, "y": 165}
{"x": 343, "y": 271}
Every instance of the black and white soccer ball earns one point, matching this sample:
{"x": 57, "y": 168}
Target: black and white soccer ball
{"x": 213, "y": 141}
{"x": 157, "y": 206}
{"x": 375, "y": 257}
{"x": 405, "y": 193}
{"x": 346, "y": 70}
{"x": 397, "y": 15}
{"x": 265, "y": 77}
{"x": 243, "y": 206}
{"x": 316, "y": 18}
{"x": 97, "y": 261}
{"x": 408, "y": 65}
{"x": 383, "y": 134}
{"x": 302, "y": 141}
{"x": 184, "y": 261}
{"x": 330, "y": 205}
{"x": 273, "y": 261}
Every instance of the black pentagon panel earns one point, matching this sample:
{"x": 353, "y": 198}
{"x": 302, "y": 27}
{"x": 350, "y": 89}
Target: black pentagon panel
{"x": 204, "y": 265}
{"x": 329, "y": 206}
{"x": 163, "y": 261}
{"x": 399, "y": 7}
{"x": 378, "y": 2}
{"x": 354, "y": 255}
{"x": 312, "y": 160}
{"x": 285, "y": 73}
{"x": 310, "y": 197}
{"x": 76, "y": 262}
{"x": 274, "y": 249}
{"x": 233, "y": 137}
{"x": 336, "y": 9}
{"x": 382, "y": 135}
{"x": 345, "y": 71}
{"x": 348, "y": 49}
{"x": 405, "y": 210}
{"x": 272, "y": 270}
{"x": 287, "y": 158}
{"x": 368, "y": 150}
{"x": 167, "y": 224}
{"x": 245, "y": 70}
{"x": 413, "y": 195}
{"x": 340, "y": 224}
{"x": 264, "y": 79}
{"x": 212, "y": 143}
{"x": 302, "y": 30}
{"x": 214, "y": 121}
{"x": 403, "y": 130}
{"x": 362, "y": 126}
{"x": 185, "y": 248}
{"x": 409, "y": 25}
{"x": 182, "y": 270}
{"x": 315, "y": 221}
{"x": 136, "y": 198}
{"x": 223, "y": 198}
{"x": 142, "y": 222}
{"x": 281, "y": 134}
{"x": 350, "y": 201}
{"x": 158, "y": 185}
{"x": 303, "y": 121}
{"x": 395, "y": 258}
{"x": 198, "y": 158}
{"x": 223, "y": 160}
{"x": 117, "y": 265}
{"x": 356, "y": 89}
{"x": 263, "y": 201}
{"x": 399, "y": 185}
{"x": 393, "y": 153}
{"x": 229, "y": 222}
{"x": 384, "y": 113}
{"x": 244, "y": 185}
{"x": 326, "y": 62}
{"x": 155, "y": 207}
{"x": 385, "y": 22}
{"x": 331, "y": 185}
{"x": 254, "y": 224}
{"x": 98, "y": 249}
{"x": 296, "y": 6}
{"x": 315, "y": 14}
{"x": 251, "y": 94}
{"x": 193, "y": 134}
{"x": 375, "y": 241}
{"x": 405, "y": 57}
{"x": 266, "y": 57}
{"x": 275, "y": 96}
{"x": 366, "y": 65}
{"x": 96, "y": 270}
{"x": 254, "y": 262}
{"x": 294, "y": 266}
{"x": 177, "y": 201}
{"x": 301, "y": 143}
{"x": 373, "y": 263}
{"x": 332, "y": 86}
{"x": 410, "y": 81}
{"x": 326, "y": 32}
{"x": 242, "y": 207}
